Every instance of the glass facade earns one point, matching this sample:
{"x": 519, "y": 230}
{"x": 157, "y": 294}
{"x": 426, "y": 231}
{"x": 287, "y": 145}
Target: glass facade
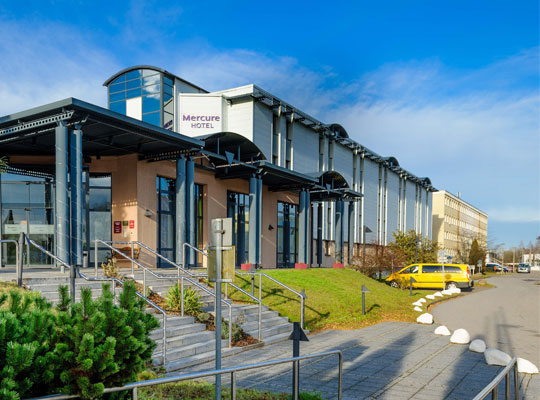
{"x": 287, "y": 235}
{"x": 238, "y": 210}
{"x": 97, "y": 218}
{"x": 27, "y": 206}
{"x": 145, "y": 94}
{"x": 166, "y": 212}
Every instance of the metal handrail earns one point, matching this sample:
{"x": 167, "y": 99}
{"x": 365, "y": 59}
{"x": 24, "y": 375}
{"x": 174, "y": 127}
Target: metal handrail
{"x": 299, "y": 294}
{"x": 193, "y": 248}
{"x": 231, "y": 370}
{"x": 161, "y": 276}
{"x": 82, "y": 275}
{"x": 493, "y": 387}
{"x": 252, "y": 297}
{"x": 179, "y": 267}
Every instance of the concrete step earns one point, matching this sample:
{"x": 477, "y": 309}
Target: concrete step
{"x": 187, "y": 339}
{"x": 266, "y": 322}
{"x": 187, "y": 351}
{"x": 271, "y": 331}
{"x": 186, "y": 362}
{"x": 176, "y": 331}
{"x": 277, "y": 338}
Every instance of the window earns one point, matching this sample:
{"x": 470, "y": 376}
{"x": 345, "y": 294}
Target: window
{"x": 413, "y": 269}
{"x": 238, "y": 210}
{"x": 429, "y": 269}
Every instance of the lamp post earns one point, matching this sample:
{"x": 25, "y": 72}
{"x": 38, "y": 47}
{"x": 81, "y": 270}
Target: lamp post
{"x": 366, "y": 230}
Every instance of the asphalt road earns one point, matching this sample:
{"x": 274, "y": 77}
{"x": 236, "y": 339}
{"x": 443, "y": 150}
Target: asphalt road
{"x": 506, "y": 317}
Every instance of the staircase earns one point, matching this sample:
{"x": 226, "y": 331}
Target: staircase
{"x": 273, "y": 327}
{"x": 188, "y": 342}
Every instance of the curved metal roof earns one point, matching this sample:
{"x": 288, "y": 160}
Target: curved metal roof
{"x": 392, "y": 161}
{"x": 332, "y": 178}
{"x": 152, "y": 67}
{"x": 243, "y": 148}
{"x": 339, "y": 130}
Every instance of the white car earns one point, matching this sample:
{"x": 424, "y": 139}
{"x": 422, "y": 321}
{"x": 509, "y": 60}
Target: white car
{"x": 522, "y": 267}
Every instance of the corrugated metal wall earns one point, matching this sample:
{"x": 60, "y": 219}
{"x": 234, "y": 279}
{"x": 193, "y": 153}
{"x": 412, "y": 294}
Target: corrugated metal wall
{"x": 392, "y": 211}
{"x": 371, "y": 190}
{"x": 343, "y": 162}
{"x": 410, "y": 207}
{"x": 306, "y": 149}
{"x": 262, "y": 129}
{"x": 240, "y": 118}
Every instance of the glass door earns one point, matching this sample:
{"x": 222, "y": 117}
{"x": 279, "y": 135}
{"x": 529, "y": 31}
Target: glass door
{"x": 166, "y": 219}
{"x": 238, "y": 210}
{"x": 287, "y": 235}
{"x": 97, "y": 218}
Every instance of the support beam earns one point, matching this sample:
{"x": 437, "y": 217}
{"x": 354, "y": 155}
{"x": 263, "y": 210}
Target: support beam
{"x": 259, "y": 221}
{"x": 351, "y": 232}
{"x": 190, "y": 211}
{"x": 76, "y": 187}
{"x": 302, "y": 233}
{"x": 307, "y": 239}
{"x": 339, "y": 232}
{"x": 252, "y": 245}
{"x": 180, "y": 209}
{"x": 319, "y": 233}
{"x": 61, "y": 198}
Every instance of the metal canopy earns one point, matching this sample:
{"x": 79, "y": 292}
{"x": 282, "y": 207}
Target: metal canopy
{"x": 241, "y": 148}
{"x": 105, "y": 132}
{"x": 276, "y": 178}
{"x": 330, "y": 179}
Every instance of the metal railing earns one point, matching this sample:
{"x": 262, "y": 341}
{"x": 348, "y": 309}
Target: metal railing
{"x": 18, "y": 265}
{"x": 302, "y": 295}
{"x": 114, "y": 280}
{"x": 493, "y": 387}
{"x": 250, "y": 296}
{"x": 232, "y": 371}
{"x": 181, "y": 278}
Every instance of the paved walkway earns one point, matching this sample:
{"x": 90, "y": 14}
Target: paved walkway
{"x": 391, "y": 360}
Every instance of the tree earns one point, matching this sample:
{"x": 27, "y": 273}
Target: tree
{"x": 414, "y": 247}
{"x": 476, "y": 253}
{"x": 3, "y": 164}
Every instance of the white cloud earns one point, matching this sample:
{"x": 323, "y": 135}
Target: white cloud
{"x": 46, "y": 62}
{"x": 514, "y": 214}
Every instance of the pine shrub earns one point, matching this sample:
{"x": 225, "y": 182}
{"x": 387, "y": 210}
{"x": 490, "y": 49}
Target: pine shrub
{"x": 192, "y": 300}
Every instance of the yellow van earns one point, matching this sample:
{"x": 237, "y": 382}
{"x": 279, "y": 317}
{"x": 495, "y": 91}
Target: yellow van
{"x": 430, "y": 275}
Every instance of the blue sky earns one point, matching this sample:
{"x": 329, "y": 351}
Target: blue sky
{"x": 449, "y": 88}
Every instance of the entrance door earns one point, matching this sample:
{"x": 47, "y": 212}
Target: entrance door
{"x": 166, "y": 220}
{"x": 287, "y": 235}
{"x": 26, "y": 205}
{"x": 238, "y": 210}
{"x": 97, "y": 215}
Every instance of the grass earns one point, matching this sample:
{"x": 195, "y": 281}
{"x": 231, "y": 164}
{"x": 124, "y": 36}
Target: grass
{"x": 334, "y": 298}
{"x": 194, "y": 390}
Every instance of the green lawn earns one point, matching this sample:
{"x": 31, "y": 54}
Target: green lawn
{"x": 334, "y": 298}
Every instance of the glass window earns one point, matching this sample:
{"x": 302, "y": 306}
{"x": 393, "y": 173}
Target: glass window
{"x": 167, "y": 121}
{"x": 119, "y": 107}
{"x": 151, "y": 80}
{"x": 166, "y": 98}
{"x": 134, "y": 93}
{"x": 121, "y": 78}
{"x": 133, "y": 84}
{"x": 429, "y": 269}
{"x": 168, "y": 90}
{"x": 119, "y": 87}
{"x": 152, "y": 89}
{"x": 167, "y": 81}
{"x": 102, "y": 181}
{"x": 152, "y": 118}
{"x": 168, "y": 107}
{"x": 15, "y": 195}
{"x": 150, "y": 103}
{"x": 117, "y": 96}
{"x": 100, "y": 199}
{"x": 133, "y": 74}
{"x": 148, "y": 72}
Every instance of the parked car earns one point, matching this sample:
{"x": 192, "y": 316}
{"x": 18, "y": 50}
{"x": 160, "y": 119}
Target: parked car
{"x": 505, "y": 269}
{"x": 431, "y": 276}
{"x": 522, "y": 267}
{"x": 494, "y": 267}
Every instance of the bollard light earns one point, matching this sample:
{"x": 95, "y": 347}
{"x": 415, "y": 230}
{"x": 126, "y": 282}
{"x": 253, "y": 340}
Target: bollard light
{"x": 298, "y": 335}
{"x": 364, "y": 291}
{"x": 412, "y": 281}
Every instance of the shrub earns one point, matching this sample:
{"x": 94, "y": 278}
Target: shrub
{"x": 237, "y": 332}
{"x": 110, "y": 268}
{"x": 80, "y": 348}
{"x": 192, "y": 300}
{"x": 203, "y": 317}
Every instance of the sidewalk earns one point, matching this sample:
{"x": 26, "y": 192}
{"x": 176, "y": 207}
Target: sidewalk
{"x": 391, "y": 360}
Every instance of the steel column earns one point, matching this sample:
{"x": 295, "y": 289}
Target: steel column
{"x": 61, "y": 197}
{"x": 190, "y": 210}
{"x": 76, "y": 186}
{"x": 302, "y": 227}
{"x": 351, "y": 232}
{"x": 252, "y": 245}
{"x": 180, "y": 209}
{"x": 339, "y": 231}
{"x": 319, "y": 233}
{"x": 307, "y": 239}
{"x": 259, "y": 221}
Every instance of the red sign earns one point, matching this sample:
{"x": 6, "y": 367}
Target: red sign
{"x": 117, "y": 226}
{"x": 131, "y": 224}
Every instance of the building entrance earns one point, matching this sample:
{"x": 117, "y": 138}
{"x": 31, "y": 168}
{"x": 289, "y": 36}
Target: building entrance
{"x": 27, "y": 206}
{"x": 287, "y": 235}
{"x": 238, "y": 210}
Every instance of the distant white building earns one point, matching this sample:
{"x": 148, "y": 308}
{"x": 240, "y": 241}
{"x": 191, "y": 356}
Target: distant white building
{"x": 532, "y": 259}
